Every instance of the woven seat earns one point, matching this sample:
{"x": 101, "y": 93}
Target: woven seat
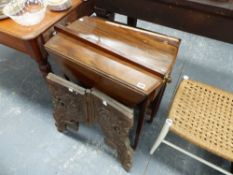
{"x": 203, "y": 115}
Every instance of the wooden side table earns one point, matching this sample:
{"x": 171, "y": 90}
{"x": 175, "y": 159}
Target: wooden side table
{"x": 130, "y": 65}
{"x": 30, "y": 40}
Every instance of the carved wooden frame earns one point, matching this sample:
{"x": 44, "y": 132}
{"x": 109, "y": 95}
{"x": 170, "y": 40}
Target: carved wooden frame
{"x": 73, "y": 104}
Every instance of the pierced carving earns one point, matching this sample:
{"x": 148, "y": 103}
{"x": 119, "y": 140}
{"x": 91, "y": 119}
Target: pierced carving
{"x": 115, "y": 122}
{"x": 68, "y": 103}
{"x": 73, "y": 104}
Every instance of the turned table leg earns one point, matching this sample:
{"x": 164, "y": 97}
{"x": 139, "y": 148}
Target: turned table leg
{"x": 38, "y": 53}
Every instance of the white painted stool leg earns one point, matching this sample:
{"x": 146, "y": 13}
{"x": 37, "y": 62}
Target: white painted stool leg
{"x": 185, "y": 77}
{"x": 162, "y": 135}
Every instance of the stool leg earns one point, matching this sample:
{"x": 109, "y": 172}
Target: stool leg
{"x": 156, "y": 103}
{"x": 162, "y": 135}
{"x": 132, "y": 21}
{"x": 232, "y": 167}
{"x": 142, "y": 111}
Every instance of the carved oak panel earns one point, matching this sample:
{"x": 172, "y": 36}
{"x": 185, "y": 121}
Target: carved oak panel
{"x": 115, "y": 121}
{"x": 68, "y": 102}
{"x": 73, "y": 104}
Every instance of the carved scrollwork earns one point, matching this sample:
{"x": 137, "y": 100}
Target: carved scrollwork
{"x": 73, "y": 104}
{"x": 115, "y": 124}
{"x": 69, "y": 105}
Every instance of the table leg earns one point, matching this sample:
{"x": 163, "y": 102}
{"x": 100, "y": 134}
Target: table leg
{"x": 142, "y": 111}
{"x": 38, "y": 53}
{"x": 156, "y": 103}
{"x": 132, "y": 21}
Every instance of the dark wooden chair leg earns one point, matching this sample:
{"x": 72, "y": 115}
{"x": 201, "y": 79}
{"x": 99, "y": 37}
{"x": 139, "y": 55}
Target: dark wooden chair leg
{"x": 111, "y": 16}
{"x": 104, "y": 14}
{"x": 132, "y": 21}
{"x": 142, "y": 111}
{"x": 156, "y": 103}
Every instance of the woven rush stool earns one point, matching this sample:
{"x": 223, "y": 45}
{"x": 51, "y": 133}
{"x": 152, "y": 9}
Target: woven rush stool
{"x": 202, "y": 115}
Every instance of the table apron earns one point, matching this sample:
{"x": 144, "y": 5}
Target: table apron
{"x": 13, "y": 42}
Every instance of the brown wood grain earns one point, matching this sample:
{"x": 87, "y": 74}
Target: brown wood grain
{"x": 151, "y": 51}
{"x": 12, "y": 42}
{"x": 114, "y": 74}
{"x": 109, "y": 65}
{"x": 103, "y": 70}
{"x": 9, "y": 27}
{"x": 30, "y": 40}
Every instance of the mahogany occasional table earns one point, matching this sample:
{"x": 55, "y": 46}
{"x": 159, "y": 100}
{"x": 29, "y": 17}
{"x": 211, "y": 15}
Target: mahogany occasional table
{"x": 129, "y": 65}
{"x": 30, "y": 40}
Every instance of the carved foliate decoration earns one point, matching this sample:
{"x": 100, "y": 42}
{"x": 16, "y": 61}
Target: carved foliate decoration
{"x": 115, "y": 121}
{"x": 68, "y": 103}
{"x": 73, "y": 104}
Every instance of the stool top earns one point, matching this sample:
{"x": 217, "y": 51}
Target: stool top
{"x": 203, "y": 115}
